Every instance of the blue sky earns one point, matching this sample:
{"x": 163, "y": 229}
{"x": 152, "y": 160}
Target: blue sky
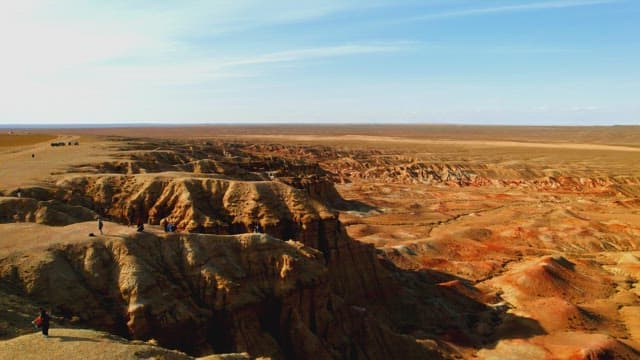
{"x": 559, "y": 62}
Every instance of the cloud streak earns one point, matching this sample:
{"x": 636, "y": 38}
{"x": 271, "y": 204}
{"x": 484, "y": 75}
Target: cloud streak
{"x": 317, "y": 52}
{"x": 533, "y": 6}
{"x": 197, "y": 70}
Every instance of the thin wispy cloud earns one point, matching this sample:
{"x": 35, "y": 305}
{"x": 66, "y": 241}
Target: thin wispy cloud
{"x": 533, "y": 6}
{"x": 198, "y": 70}
{"x": 220, "y": 18}
{"x": 318, "y": 52}
{"x": 256, "y": 64}
{"x": 524, "y": 50}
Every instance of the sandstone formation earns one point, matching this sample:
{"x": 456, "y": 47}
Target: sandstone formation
{"x": 214, "y": 293}
{"x": 359, "y": 253}
{"x": 50, "y": 212}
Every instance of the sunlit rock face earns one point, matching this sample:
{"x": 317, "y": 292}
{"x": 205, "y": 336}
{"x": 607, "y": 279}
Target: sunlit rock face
{"x": 345, "y": 252}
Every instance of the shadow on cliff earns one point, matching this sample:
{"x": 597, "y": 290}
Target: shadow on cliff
{"x": 71, "y": 338}
{"x": 436, "y": 305}
{"x": 353, "y": 205}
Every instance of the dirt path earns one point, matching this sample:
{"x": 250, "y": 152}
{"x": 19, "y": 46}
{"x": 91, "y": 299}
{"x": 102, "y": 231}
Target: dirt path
{"x": 19, "y": 168}
{"x": 76, "y": 344}
{"x": 28, "y": 236}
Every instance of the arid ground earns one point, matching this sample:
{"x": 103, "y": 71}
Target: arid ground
{"x": 336, "y": 242}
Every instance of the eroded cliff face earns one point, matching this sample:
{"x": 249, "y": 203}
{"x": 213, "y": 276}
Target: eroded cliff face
{"x": 207, "y": 293}
{"x": 402, "y": 170}
{"x": 181, "y": 289}
{"x": 220, "y": 206}
{"x": 49, "y": 212}
{"x": 301, "y": 288}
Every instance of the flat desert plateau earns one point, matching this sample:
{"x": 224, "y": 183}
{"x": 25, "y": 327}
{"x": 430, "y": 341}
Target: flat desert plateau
{"x": 321, "y": 242}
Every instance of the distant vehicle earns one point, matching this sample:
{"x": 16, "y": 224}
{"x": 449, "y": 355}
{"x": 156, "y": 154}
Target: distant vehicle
{"x": 62, "y": 143}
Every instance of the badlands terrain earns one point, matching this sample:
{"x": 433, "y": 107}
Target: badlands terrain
{"x": 373, "y": 242}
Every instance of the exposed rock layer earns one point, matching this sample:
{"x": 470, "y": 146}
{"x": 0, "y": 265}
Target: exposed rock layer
{"x": 322, "y": 295}
{"x": 203, "y": 293}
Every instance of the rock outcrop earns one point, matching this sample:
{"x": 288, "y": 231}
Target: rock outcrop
{"x": 207, "y": 293}
{"x": 49, "y": 212}
{"x": 316, "y": 294}
{"x": 403, "y": 170}
{"x": 301, "y": 287}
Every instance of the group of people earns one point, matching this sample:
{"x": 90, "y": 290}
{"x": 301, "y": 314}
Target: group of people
{"x": 139, "y": 227}
{"x": 168, "y": 226}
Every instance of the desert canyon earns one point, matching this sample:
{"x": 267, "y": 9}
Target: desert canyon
{"x": 372, "y": 242}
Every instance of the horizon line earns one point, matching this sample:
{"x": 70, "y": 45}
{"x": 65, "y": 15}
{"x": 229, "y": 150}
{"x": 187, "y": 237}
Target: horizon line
{"x": 201, "y": 124}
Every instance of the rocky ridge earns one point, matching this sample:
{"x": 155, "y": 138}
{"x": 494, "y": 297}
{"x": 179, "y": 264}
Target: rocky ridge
{"x": 303, "y": 288}
{"x": 210, "y": 293}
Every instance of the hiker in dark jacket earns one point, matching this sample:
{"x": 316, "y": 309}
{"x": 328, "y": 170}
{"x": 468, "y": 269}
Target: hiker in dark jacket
{"x": 42, "y": 321}
{"x": 100, "y": 225}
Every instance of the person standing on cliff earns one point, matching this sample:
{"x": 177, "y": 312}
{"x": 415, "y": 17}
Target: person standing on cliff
{"x": 42, "y": 321}
{"x": 100, "y": 224}
{"x": 140, "y": 227}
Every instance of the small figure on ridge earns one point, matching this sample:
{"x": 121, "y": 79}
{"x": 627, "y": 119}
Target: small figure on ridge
{"x": 100, "y": 224}
{"x": 42, "y": 322}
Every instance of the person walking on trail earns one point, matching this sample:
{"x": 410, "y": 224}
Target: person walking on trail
{"x": 140, "y": 227}
{"x": 100, "y": 224}
{"x": 42, "y": 321}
